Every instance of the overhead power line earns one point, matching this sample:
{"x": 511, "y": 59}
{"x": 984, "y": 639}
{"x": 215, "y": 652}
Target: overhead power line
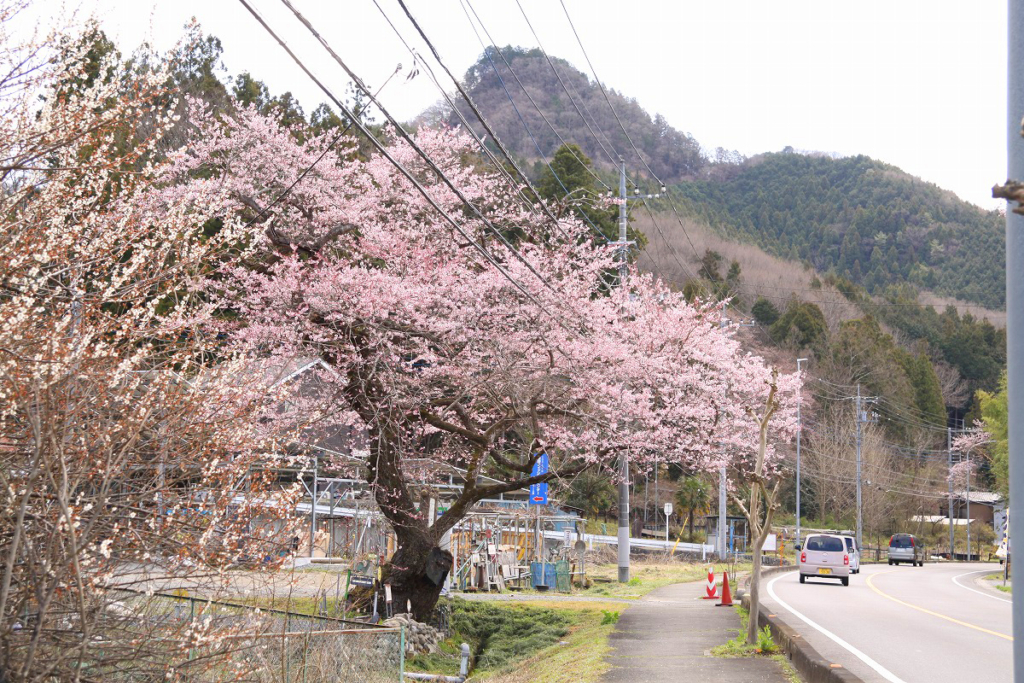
{"x": 409, "y": 175}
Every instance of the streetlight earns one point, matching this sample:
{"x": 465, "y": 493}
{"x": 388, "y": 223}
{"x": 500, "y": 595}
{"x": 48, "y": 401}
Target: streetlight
{"x": 800, "y": 428}
{"x": 969, "y": 449}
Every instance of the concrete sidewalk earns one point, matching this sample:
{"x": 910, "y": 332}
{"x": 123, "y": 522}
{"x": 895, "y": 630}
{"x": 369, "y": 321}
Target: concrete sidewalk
{"x": 667, "y": 635}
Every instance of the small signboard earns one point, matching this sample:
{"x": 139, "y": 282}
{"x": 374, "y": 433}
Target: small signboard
{"x": 770, "y": 544}
{"x": 361, "y": 580}
{"x": 539, "y": 492}
{"x": 668, "y": 509}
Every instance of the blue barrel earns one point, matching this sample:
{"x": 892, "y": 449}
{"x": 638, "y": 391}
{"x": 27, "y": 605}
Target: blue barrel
{"x": 543, "y": 575}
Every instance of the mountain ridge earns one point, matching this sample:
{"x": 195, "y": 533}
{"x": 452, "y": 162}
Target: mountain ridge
{"x": 851, "y": 217}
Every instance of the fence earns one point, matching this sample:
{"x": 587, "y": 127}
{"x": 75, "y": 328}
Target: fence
{"x": 221, "y": 641}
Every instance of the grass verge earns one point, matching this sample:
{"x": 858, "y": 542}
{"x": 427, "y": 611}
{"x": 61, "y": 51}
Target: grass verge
{"x": 738, "y": 646}
{"x": 649, "y": 576}
{"x": 554, "y": 641}
{"x": 1008, "y": 588}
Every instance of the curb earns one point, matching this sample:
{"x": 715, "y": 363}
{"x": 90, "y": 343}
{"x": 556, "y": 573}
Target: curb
{"x": 811, "y": 666}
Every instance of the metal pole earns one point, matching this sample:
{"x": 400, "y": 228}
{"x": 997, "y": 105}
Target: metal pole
{"x": 949, "y": 451}
{"x": 968, "y": 505}
{"x": 312, "y": 509}
{"x": 800, "y": 428}
{"x": 721, "y": 513}
{"x": 624, "y": 483}
{"x": 1015, "y": 300}
{"x": 624, "y": 522}
{"x": 859, "y": 419}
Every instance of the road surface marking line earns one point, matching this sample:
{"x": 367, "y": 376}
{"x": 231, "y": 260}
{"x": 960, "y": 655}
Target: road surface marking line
{"x": 871, "y": 585}
{"x": 881, "y": 670}
{"x": 973, "y": 590}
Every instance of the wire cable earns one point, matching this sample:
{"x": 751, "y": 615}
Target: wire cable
{"x": 409, "y": 175}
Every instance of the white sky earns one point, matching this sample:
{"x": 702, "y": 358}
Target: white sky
{"x": 919, "y": 84}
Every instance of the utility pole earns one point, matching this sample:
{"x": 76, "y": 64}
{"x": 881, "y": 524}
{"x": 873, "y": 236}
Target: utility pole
{"x": 862, "y": 418}
{"x": 721, "y": 513}
{"x": 623, "y": 245}
{"x": 799, "y": 431}
{"x": 1014, "y": 301}
{"x": 949, "y": 452}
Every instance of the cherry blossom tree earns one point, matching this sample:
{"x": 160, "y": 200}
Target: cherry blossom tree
{"x": 768, "y": 400}
{"x": 483, "y": 341}
{"x": 967, "y": 443}
{"x": 121, "y": 441}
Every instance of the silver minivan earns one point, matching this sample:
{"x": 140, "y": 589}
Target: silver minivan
{"x": 824, "y": 556}
{"x": 906, "y": 548}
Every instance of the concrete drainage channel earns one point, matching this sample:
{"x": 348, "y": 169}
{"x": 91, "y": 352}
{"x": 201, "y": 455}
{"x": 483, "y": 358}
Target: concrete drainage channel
{"x": 811, "y": 666}
{"x": 461, "y": 678}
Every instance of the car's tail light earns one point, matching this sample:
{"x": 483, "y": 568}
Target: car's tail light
{"x": 911, "y": 541}
{"x": 803, "y": 557}
{"x": 846, "y": 559}
{"x": 890, "y": 539}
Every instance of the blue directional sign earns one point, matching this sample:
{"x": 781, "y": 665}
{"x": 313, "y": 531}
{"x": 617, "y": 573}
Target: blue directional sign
{"x": 539, "y": 492}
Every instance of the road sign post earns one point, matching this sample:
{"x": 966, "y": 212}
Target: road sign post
{"x": 668, "y": 513}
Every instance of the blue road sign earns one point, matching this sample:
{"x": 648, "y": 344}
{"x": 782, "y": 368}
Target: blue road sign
{"x": 539, "y": 492}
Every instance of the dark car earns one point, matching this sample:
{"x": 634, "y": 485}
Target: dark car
{"x": 906, "y": 548}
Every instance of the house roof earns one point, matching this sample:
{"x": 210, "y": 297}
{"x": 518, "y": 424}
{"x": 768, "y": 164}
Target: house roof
{"x": 980, "y": 497}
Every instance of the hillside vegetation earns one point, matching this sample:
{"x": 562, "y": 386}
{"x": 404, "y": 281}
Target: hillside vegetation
{"x": 857, "y": 218}
{"x": 575, "y": 107}
{"x": 862, "y": 219}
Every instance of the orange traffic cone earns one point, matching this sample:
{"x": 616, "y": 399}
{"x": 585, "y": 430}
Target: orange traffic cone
{"x": 726, "y": 594}
{"x": 711, "y": 590}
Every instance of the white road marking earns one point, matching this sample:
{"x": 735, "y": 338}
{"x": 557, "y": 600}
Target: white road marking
{"x": 981, "y": 571}
{"x": 881, "y": 670}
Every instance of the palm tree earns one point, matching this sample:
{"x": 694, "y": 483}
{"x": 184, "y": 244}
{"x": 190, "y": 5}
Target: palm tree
{"x": 693, "y": 495}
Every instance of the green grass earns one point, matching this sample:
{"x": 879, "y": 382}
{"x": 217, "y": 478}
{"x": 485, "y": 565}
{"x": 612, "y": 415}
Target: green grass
{"x": 1008, "y": 588}
{"x": 787, "y": 669}
{"x": 648, "y": 576}
{"x": 578, "y": 658}
{"x": 738, "y": 647}
{"x": 554, "y": 641}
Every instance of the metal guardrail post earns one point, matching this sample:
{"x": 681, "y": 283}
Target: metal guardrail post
{"x": 401, "y": 655}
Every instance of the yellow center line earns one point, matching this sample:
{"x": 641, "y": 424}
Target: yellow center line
{"x": 871, "y": 585}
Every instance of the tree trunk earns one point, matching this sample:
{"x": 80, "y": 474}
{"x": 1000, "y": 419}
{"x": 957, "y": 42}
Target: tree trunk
{"x": 690, "y": 524}
{"x": 755, "y": 597}
{"x": 416, "y": 564}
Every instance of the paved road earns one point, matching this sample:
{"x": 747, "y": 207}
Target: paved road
{"x": 903, "y": 624}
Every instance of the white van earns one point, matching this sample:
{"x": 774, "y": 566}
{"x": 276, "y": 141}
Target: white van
{"x": 825, "y": 556}
{"x": 854, "y": 552}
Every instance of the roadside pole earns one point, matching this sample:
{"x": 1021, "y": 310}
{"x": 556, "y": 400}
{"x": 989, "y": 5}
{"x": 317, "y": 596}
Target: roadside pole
{"x": 721, "y": 513}
{"x": 1014, "y": 301}
{"x": 949, "y": 452}
{"x": 799, "y": 429}
{"x": 859, "y": 515}
{"x": 623, "y": 546}
{"x": 623, "y": 248}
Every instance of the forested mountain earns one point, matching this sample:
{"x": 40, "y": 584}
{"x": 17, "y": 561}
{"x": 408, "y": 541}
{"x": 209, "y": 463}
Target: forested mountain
{"x": 855, "y": 217}
{"x": 862, "y": 219}
{"x": 575, "y": 107}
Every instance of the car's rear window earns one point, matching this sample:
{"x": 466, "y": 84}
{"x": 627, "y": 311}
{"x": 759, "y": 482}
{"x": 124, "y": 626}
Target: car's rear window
{"x": 826, "y": 544}
{"x": 900, "y": 542}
